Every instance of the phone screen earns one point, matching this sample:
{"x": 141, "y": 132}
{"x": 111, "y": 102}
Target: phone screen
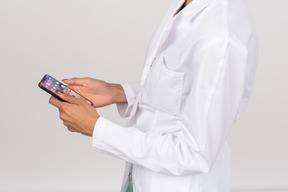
{"x": 56, "y": 88}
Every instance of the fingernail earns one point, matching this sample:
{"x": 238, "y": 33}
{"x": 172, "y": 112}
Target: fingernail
{"x": 64, "y": 79}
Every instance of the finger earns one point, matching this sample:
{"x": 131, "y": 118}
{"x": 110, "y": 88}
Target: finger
{"x": 63, "y": 116}
{"x": 70, "y": 99}
{"x": 71, "y": 129}
{"x": 65, "y": 124}
{"x": 74, "y": 81}
{"x": 55, "y": 102}
{"x": 76, "y": 88}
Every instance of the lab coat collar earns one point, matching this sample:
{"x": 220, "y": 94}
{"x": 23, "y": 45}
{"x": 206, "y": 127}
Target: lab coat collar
{"x": 194, "y": 8}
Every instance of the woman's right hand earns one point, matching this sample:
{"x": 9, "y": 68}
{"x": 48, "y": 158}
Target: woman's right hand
{"x": 99, "y": 92}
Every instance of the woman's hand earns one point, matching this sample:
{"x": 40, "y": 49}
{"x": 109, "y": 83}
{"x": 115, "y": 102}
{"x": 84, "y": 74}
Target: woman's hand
{"x": 77, "y": 115}
{"x": 97, "y": 91}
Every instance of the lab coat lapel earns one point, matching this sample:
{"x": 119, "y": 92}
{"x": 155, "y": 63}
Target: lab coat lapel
{"x": 158, "y": 35}
{"x": 175, "y": 28}
{"x": 190, "y": 11}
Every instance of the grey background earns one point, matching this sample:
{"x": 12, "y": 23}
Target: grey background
{"x": 107, "y": 40}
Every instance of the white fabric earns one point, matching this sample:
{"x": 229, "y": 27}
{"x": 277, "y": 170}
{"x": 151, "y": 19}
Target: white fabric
{"x": 197, "y": 79}
{"x": 131, "y": 91}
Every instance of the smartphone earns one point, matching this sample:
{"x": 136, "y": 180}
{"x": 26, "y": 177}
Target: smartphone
{"x": 56, "y": 88}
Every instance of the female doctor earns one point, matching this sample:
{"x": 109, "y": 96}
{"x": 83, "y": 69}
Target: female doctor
{"x": 197, "y": 79}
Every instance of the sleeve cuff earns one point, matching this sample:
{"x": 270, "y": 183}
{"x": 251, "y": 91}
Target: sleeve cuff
{"x": 108, "y": 137}
{"x": 124, "y": 109}
{"x": 98, "y": 130}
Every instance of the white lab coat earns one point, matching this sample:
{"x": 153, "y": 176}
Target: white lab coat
{"x": 197, "y": 79}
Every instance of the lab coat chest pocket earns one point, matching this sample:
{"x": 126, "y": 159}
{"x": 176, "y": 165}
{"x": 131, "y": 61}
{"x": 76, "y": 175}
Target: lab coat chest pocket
{"x": 163, "y": 88}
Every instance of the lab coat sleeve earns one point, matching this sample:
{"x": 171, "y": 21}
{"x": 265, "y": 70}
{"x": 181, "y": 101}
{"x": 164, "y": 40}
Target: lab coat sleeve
{"x": 131, "y": 90}
{"x": 221, "y": 88}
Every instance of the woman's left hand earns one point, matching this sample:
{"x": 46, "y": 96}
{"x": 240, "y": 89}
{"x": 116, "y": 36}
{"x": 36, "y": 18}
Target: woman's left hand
{"x": 77, "y": 115}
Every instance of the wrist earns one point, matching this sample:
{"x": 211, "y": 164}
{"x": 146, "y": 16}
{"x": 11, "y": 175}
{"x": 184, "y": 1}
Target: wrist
{"x": 94, "y": 124}
{"x": 118, "y": 94}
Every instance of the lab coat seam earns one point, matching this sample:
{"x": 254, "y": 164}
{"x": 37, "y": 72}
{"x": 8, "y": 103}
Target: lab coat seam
{"x": 181, "y": 95}
{"x": 173, "y": 169}
{"x": 161, "y": 164}
{"x": 238, "y": 44}
{"x": 182, "y": 169}
{"x": 220, "y": 68}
